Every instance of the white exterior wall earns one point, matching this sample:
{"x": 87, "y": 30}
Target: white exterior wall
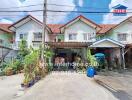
{"x": 29, "y": 28}
{"x": 124, "y": 28}
{"x": 79, "y": 28}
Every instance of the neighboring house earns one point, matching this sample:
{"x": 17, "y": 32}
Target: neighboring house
{"x": 6, "y": 37}
{"x": 29, "y": 29}
{"x": 122, "y": 32}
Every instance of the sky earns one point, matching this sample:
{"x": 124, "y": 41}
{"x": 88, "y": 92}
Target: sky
{"x": 65, "y": 5}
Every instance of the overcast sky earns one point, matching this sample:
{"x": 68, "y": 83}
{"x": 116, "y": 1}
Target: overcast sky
{"x": 76, "y": 5}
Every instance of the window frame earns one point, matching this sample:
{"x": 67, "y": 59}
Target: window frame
{"x": 24, "y": 36}
{"x": 88, "y": 36}
{"x": 73, "y": 36}
{"x": 37, "y": 35}
{"x": 122, "y": 36}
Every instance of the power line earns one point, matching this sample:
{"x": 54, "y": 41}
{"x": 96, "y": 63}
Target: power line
{"x": 60, "y": 11}
{"x": 8, "y": 11}
{"x": 55, "y": 11}
{"x": 22, "y": 6}
{"x": 82, "y": 11}
{"x": 83, "y": 7}
{"x": 77, "y": 6}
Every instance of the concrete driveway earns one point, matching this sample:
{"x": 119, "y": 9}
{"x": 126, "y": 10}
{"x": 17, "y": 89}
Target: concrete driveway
{"x": 9, "y": 86}
{"x": 67, "y": 86}
{"x": 119, "y": 84}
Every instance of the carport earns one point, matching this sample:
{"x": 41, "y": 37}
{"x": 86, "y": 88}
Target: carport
{"x": 117, "y": 49}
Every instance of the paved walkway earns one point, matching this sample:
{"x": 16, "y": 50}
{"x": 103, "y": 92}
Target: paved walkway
{"x": 67, "y": 86}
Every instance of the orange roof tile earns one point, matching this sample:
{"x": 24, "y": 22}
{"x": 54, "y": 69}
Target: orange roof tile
{"x": 55, "y": 28}
{"x": 105, "y": 28}
{"x": 5, "y": 27}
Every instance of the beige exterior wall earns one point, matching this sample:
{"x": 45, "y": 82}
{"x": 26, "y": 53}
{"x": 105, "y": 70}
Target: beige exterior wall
{"x": 79, "y": 28}
{"x": 29, "y": 28}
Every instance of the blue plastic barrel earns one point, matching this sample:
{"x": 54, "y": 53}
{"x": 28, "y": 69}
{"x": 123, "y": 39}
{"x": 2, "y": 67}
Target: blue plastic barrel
{"x": 90, "y": 72}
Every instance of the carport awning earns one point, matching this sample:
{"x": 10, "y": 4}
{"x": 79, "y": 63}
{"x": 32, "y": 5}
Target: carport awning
{"x": 69, "y": 44}
{"x": 107, "y": 43}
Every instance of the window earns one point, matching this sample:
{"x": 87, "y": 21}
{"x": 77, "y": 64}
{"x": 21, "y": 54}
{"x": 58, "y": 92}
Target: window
{"x": 72, "y": 36}
{"x": 85, "y": 36}
{"x": 1, "y": 41}
{"x": 122, "y": 37}
{"x": 88, "y": 36}
{"x": 37, "y": 36}
{"x": 23, "y": 36}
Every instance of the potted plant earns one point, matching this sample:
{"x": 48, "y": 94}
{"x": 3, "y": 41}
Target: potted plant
{"x": 8, "y": 71}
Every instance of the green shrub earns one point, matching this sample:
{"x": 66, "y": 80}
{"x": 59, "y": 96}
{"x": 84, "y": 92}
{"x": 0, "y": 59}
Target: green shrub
{"x": 91, "y": 59}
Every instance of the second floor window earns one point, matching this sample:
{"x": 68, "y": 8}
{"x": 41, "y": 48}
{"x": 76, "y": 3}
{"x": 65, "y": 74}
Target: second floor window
{"x": 122, "y": 37}
{"x": 87, "y": 36}
{"x": 72, "y": 36}
{"x": 38, "y": 36}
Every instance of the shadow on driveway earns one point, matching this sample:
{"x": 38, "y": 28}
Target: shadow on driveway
{"x": 119, "y": 94}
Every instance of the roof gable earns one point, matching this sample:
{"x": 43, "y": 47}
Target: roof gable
{"x": 126, "y": 20}
{"x": 108, "y": 43}
{"x": 25, "y": 20}
{"x": 82, "y": 18}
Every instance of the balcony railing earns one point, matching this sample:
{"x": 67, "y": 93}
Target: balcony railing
{"x": 6, "y": 45}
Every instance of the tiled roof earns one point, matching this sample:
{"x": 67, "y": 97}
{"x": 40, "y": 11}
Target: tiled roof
{"x": 55, "y": 28}
{"x": 5, "y": 27}
{"x": 105, "y": 28}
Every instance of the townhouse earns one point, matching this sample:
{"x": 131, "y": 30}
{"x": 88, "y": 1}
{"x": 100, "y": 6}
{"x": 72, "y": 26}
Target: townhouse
{"x": 76, "y": 36}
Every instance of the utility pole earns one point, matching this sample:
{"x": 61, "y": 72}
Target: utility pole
{"x": 44, "y": 28}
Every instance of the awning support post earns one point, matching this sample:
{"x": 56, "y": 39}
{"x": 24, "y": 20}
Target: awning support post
{"x": 123, "y": 58}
